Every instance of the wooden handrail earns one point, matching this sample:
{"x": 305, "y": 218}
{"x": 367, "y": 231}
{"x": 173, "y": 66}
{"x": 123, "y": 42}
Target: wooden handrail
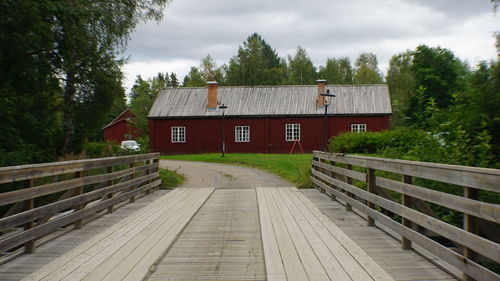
{"x": 60, "y": 194}
{"x": 359, "y": 181}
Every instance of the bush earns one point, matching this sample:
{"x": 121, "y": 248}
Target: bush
{"x": 170, "y": 179}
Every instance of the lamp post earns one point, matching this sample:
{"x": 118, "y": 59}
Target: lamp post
{"x": 223, "y": 148}
{"x": 325, "y": 120}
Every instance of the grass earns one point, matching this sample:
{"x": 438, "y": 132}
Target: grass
{"x": 170, "y": 179}
{"x": 291, "y": 167}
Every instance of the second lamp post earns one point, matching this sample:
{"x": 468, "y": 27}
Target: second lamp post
{"x": 223, "y": 148}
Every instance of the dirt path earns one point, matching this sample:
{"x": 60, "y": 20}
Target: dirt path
{"x": 200, "y": 174}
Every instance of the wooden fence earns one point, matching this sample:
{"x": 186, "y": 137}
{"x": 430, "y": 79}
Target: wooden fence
{"x": 39, "y": 200}
{"x": 391, "y": 194}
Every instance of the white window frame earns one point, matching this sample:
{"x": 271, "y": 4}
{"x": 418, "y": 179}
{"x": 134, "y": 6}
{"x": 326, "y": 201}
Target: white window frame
{"x": 241, "y": 133}
{"x": 358, "y": 128}
{"x": 292, "y": 132}
{"x": 178, "y": 134}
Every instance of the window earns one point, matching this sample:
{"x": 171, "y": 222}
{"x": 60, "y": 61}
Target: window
{"x": 242, "y": 134}
{"x": 178, "y": 134}
{"x": 292, "y": 132}
{"x": 357, "y": 128}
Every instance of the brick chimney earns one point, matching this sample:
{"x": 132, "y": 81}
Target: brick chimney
{"x": 320, "y": 100}
{"x": 212, "y": 95}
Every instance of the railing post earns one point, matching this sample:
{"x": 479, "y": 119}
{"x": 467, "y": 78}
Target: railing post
{"x": 370, "y": 184}
{"x": 157, "y": 160}
{"x": 332, "y": 175}
{"x": 470, "y": 225}
{"x": 132, "y": 177}
{"x": 348, "y": 206}
{"x": 148, "y": 172}
{"x": 29, "y": 247}
{"x": 110, "y": 195}
{"x": 78, "y": 191}
{"x": 406, "y": 201}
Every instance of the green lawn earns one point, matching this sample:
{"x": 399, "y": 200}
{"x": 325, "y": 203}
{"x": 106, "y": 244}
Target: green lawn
{"x": 292, "y": 167}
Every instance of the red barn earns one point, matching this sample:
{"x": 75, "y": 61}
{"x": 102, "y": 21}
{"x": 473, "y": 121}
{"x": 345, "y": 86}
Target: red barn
{"x": 121, "y": 128}
{"x": 264, "y": 119}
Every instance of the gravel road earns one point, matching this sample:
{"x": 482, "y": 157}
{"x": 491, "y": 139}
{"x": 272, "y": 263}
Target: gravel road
{"x": 201, "y": 174}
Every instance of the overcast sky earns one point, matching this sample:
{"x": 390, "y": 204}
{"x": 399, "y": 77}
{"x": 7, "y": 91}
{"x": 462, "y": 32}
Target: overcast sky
{"x": 191, "y": 29}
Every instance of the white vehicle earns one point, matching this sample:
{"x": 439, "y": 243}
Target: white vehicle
{"x": 130, "y": 145}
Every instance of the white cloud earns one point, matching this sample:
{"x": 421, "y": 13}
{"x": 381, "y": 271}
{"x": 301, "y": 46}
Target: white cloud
{"x": 192, "y": 29}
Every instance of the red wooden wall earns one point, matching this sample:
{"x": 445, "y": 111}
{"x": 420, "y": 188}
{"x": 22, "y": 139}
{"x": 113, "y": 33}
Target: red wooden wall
{"x": 267, "y": 135}
{"x": 116, "y": 131}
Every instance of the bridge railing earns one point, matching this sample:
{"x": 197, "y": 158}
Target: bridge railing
{"x": 393, "y": 194}
{"x": 38, "y": 200}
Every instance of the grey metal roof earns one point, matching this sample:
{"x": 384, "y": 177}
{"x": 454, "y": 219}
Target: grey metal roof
{"x": 272, "y": 100}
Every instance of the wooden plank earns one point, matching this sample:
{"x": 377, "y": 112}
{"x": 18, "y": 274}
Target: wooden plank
{"x": 343, "y": 171}
{"x": 53, "y": 208}
{"x": 37, "y": 191}
{"x": 481, "y": 178}
{"x": 76, "y": 257}
{"x": 160, "y": 247}
{"x": 473, "y": 207}
{"x": 121, "y": 257}
{"x": 53, "y": 225}
{"x": 485, "y": 247}
{"x": 18, "y": 173}
{"x": 275, "y": 270}
{"x": 291, "y": 261}
{"x": 406, "y": 201}
{"x": 312, "y": 265}
{"x": 327, "y": 259}
{"x": 451, "y": 257}
{"x": 371, "y": 268}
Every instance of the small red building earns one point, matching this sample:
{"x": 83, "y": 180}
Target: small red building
{"x": 264, "y": 119}
{"x": 121, "y": 128}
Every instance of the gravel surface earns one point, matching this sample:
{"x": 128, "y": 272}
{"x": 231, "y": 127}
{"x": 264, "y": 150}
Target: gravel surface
{"x": 201, "y": 174}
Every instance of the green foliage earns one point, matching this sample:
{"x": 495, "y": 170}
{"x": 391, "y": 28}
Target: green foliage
{"x": 337, "y": 71}
{"x": 401, "y": 82}
{"x": 255, "y": 64}
{"x": 170, "y": 179}
{"x": 367, "y": 71}
{"x": 143, "y": 94}
{"x": 194, "y": 78}
{"x": 60, "y": 72}
{"x": 292, "y": 167}
{"x": 301, "y": 70}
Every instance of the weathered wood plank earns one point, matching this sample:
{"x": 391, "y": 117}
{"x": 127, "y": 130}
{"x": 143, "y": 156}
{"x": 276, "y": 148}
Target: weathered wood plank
{"x": 53, "y": 208}
{"x": 275, "y": 270}
{"x": 371, "y": 268}
{"x": 471, "y": 268}
{"x": 481, "y": 178}
{"x": 312, "y": 265}
{"x": 476, "y": 208}
{"x": 331, "y": 260}
{"x": 120, "y": 232}
{"x": 293, "y": 266}
{"x": 18, "y": 173}
{"x": 485, "y": 247}
{"x": 37, "y": 191}
{"x": 51, "y": 226}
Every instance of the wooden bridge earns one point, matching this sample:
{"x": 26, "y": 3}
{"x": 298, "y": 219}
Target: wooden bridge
{"x": 368, "y": 219}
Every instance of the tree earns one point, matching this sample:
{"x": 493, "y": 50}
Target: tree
{"x": 71, "y": 50}
{"x": 401, "y": 82}
{"x": 174, "y": 82}
{"x": 256, "y": 63}
{"x": 194, "y": 78}
{"x": 436, "y": 72}
{"x": 367, "y": 71}
{"x": 143, "y": 94}
{"x": 210, "y": 71}
{"x": 337, "y": 71}
{"x": 301, "y": 69}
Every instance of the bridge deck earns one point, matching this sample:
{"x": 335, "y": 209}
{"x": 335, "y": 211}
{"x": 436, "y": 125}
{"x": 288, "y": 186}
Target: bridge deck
{"x": 299, "y": 242}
